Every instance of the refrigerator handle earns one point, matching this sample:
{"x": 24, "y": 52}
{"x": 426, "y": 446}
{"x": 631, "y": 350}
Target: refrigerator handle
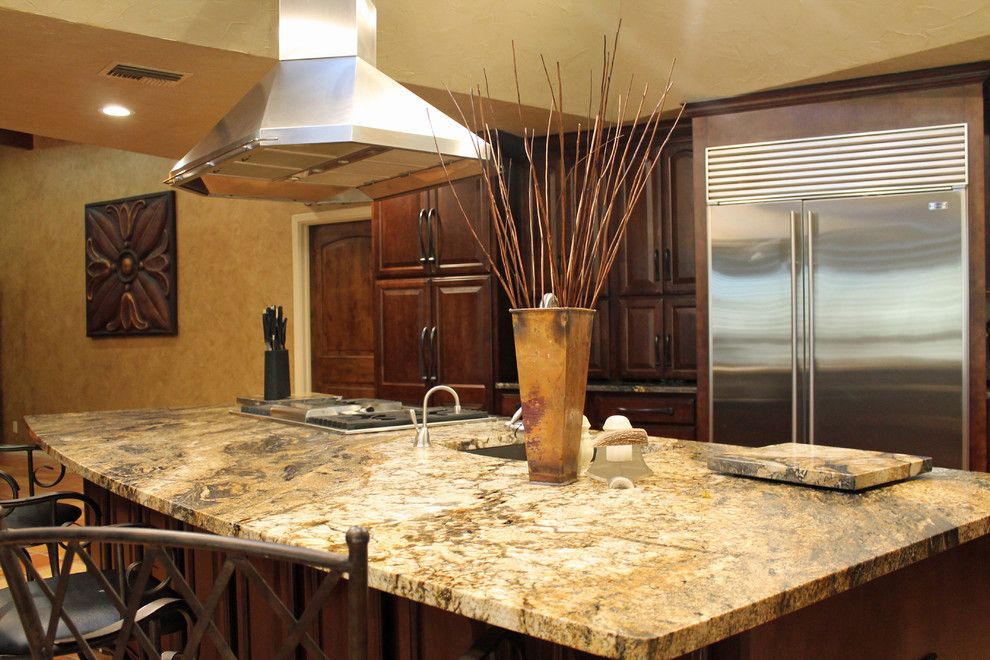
{"x": 795, "y": 233}
{"x": 811, "y": 327}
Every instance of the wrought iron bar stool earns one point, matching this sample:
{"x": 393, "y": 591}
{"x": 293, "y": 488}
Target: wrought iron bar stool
{"x": 126, "y": 608}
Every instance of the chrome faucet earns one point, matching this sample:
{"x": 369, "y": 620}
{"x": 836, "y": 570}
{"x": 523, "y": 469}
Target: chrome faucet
{"x": 422, "y": 432}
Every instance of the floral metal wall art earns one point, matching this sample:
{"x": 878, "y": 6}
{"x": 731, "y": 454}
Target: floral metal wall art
{"x": 130, "y": 266}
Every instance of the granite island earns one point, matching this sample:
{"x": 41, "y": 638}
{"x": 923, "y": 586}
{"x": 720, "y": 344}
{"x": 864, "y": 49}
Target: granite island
{"x": 689, "y": 559}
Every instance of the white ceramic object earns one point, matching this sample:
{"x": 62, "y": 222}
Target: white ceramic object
{"x": 616, "y": 423}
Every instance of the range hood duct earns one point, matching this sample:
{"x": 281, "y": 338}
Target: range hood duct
{"x": 325, "y": 126}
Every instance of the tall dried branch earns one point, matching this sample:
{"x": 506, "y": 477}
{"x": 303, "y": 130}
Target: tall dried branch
{"x": 559, "y": 227}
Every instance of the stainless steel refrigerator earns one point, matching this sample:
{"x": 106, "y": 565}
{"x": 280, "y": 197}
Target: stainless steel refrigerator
{"x": 841, "y": 322}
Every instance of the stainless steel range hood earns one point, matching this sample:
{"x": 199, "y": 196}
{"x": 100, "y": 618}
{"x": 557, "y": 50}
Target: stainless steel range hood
{"x": 326, "y": 126}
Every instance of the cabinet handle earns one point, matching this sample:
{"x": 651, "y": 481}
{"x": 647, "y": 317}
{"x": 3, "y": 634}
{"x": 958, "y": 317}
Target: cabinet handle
{"x": 422, "y": 245}
{"x": 668, "y": 265}
{"x": 666, "y": 350}
{"x": 431, "y": 241}
{"x": 656, "y": 350}
{"x": 434, "y": 376}
{"x": 656, "y": 265}
{"x": 422, "y": 357}
{"x": 647, "y": 411}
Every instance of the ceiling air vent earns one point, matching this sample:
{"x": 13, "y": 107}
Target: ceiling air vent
{"x": 144, "y": 75}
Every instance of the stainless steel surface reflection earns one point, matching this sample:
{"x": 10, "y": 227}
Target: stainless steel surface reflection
{"x": 841, "y": 322}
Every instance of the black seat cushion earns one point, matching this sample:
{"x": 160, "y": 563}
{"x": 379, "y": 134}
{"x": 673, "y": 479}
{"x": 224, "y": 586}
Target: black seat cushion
{"x": 39, "y": 515}
{"x": 86, "y": 603}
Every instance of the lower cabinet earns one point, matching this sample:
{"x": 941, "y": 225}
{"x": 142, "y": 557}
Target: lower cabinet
{"x": 434, "y": 331}
{"x": 661, "y": 415}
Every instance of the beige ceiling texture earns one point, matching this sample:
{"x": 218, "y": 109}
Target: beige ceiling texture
{"x": 51, "y": 52}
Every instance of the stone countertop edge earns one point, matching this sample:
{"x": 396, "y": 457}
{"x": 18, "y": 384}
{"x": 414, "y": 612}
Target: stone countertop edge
{"x": 577, "y": 565}
{"x": 622, "y": 388}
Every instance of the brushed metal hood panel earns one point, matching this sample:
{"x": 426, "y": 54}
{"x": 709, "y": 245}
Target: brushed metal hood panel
{"x": 327, "y": 130}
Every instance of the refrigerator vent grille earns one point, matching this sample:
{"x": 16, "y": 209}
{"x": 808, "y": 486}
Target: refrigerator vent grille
{"x": 931, "y": 157}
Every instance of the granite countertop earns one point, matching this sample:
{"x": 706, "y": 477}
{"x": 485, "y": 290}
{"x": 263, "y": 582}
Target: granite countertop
{"x": 685, "y": 559}
{"x": 634, "y": 388}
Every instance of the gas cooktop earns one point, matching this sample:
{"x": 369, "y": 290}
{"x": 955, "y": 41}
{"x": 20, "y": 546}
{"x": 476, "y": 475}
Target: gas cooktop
{"x": 357, "y": 415}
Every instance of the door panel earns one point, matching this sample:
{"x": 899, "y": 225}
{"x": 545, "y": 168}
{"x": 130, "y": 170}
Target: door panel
{"x": 403, "y": 316}
{"x": 677, "y": 166}
{"x": 398, "y": 224}
{"x": 457, "y": 251}
{"x": 640, "y": 329}
{"x": 751, "y": 324}
{"x": 888, "y": 294}
{"x": 342, "y": 309}
{"x": 462, "y": 345}
{"x": 639, "y": 262}
{"x": 680, "y": 355}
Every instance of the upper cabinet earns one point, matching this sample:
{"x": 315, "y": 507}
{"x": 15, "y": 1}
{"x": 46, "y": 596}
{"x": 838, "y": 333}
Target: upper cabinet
{"x": 425, "y": 233}
{"x": 658, "y": 247}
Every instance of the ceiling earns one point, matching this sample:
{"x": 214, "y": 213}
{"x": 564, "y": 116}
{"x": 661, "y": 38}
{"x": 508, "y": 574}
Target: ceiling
{"x": 54, "y": 51}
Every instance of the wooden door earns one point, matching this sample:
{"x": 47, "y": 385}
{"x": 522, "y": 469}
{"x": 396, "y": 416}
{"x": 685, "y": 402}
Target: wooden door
{"x": 455, "y": 248}
{"x": 677, "y": 169}
{"x": 638, "y": 266}
{"x": 462, "y": 344}
{"x": 403, "y": 317}
{"x": 400, "y": 235}
{"x": 342, "y": 309}
{"x": 640, "y": 328}
{"x": 680, "y": 353}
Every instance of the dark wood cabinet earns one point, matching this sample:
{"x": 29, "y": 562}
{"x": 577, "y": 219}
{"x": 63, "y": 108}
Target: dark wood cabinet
{"x": 425, "y": 234}
{"x": 639, "y": 265}
{"x": 402, "y": 314}
{"x": 662, "y": 415}
{"x": 640, "y": 330}
{"x": 434, "y": 331}
{"x": 680, "y": 359}
{"x": 677, "y": 212}
{"x": 461, "y": 346}
{"x": 600, "y": 360}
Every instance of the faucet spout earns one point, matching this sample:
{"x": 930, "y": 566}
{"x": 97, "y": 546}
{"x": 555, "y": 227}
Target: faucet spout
{"x": 423, "y": 432}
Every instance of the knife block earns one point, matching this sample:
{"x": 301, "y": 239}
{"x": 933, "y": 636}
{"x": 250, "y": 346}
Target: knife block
{"x": 277, "y": 374}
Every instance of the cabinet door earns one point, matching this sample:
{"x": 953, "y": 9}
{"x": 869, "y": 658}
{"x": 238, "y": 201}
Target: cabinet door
{"x": 399, "y": 230}
{"x": 677, "y": 206}
{"x": 599, "y": 365}
{"x": 640, "y": 329}
{"x": 637, "y": 268}
{"x": 456, "y": 250}
{"x": 679, "y": 352}
{"x": 461, "y": 348}
{"x": 663, "y": 415}
{"x": 403, "y": 324}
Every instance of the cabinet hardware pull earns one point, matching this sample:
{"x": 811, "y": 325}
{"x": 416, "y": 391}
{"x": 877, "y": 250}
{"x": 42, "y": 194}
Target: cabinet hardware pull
{"x": 647, "y": 411}
{"x": 422, "y": 246}
{"x": 422, "y": 358}
{"x": 434, "y": 376}
{"x": 431, "y": 240}
{"x": 666, "y": 350}
{"x": 656, "y": 350}
{"x": 656, "y": 265}
{"x": 668, "y": 265}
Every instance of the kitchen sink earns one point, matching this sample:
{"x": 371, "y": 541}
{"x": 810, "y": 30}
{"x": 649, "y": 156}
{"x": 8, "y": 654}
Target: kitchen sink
{"x": 515, "y": 452}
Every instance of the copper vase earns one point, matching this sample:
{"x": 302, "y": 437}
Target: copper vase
{"x": 552, "y": 350}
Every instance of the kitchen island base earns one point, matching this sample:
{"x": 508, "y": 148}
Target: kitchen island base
{"x": 935, "y": 606}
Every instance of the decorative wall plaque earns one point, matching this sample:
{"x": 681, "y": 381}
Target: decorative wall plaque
{"x": 130, "y": 266}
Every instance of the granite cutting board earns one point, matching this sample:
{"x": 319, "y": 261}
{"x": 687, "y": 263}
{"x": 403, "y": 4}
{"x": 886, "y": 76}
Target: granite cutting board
{"x": 817, "y": 465}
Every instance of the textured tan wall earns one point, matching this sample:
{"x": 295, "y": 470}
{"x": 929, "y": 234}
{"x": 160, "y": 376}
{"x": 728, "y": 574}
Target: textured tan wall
{"x": 234, "y": 257}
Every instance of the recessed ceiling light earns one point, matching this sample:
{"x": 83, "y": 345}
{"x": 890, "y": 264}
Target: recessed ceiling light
{"x": 114, "y": 110}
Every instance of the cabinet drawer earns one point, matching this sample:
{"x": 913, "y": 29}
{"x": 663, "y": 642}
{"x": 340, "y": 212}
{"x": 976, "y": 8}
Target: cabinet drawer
{"x": 647, "y": 410}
